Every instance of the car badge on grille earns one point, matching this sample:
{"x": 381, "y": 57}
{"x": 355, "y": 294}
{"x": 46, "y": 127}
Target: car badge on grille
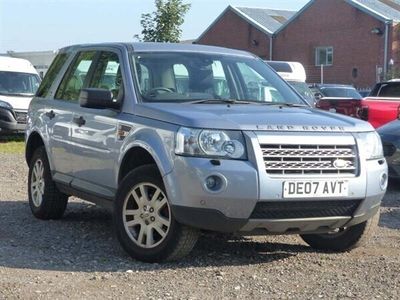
{"x": 340, "y": 163}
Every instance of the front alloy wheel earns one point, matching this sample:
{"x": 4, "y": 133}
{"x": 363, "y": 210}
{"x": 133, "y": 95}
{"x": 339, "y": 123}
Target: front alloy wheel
{"x": 147, "y": 215}
{"x": 144, "y": 222}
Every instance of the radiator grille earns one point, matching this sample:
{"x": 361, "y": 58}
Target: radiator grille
{"x": 304, "y": 209}
{"x": 309, "y": 159}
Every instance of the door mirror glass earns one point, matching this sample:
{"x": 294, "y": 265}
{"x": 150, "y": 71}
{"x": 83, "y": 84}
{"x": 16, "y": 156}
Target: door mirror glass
{"x": 97, "y": 98}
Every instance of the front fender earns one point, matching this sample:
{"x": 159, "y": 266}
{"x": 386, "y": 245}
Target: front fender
{"x": 159, "y": 143}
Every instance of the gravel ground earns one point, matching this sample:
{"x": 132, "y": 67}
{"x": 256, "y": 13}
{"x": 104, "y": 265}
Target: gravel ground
{"x": 78, "y": 257}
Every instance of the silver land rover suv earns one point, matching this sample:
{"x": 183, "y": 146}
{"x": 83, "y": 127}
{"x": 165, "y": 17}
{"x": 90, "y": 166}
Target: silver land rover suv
{"x": 178, "y": 138}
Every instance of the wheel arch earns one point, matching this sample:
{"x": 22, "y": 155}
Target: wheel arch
{"x": 33, "y": 142}
{"x": 138, "y": 155}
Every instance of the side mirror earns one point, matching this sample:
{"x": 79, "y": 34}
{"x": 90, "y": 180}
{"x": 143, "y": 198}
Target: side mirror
{"x": 97, "y": 98}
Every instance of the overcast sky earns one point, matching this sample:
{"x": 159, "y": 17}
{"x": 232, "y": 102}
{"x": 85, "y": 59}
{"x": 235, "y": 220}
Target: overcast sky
{"x": 29, "y": 25}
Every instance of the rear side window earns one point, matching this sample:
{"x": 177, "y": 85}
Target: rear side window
{"x": 51, "y": 74}
{"x": 74, "y": 80}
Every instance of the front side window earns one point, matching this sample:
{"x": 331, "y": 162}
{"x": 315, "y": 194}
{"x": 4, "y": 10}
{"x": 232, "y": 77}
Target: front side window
{"x": 324, "y": 56}
{"x": 107, "y": 74}
{"x": 74, "y": 80}
{"x": 185, "y": 77}
{"x": 18, "y": 84}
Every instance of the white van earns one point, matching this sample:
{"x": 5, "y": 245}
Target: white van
{"x": 295, "y": 74}
{"x": 18, "y": 84}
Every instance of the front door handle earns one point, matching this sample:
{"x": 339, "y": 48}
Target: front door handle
{"x": 50, "y": 114}
{"x": 79, "y": 120}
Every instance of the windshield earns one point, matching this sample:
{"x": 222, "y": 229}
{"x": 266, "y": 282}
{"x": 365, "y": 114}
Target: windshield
{"x": 345, "y": 92}
{"x": 186, "y": 77}
{"x": 18, "y": 84}
{"x": 304, "y": 91}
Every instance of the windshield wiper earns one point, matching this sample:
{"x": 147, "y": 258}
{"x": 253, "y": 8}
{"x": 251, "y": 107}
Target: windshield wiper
{"x": 228, "y": 101}
{"x": 286, "y": 104}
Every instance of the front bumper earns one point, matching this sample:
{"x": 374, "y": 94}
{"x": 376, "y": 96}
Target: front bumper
{"x": 9, "y": 122}
{"x": 231, "y": 209}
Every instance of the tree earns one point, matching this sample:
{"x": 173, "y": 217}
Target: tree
{"x": 163, "y": 25}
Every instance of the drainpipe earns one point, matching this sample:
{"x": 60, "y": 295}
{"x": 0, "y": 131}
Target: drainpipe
{"x": 385, "y": 54}
{"x": 270, "y": 47}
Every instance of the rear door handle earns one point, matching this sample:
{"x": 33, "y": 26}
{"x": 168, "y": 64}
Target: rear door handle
{"x": 79, "y": 120}
{"x": 50, "y": 114}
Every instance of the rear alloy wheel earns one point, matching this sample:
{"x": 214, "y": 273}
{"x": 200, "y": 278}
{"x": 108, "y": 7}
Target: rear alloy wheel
{"x": 344, "y": 239}
{"x": 144, "y": 222}
{"x": 45, "y": 200}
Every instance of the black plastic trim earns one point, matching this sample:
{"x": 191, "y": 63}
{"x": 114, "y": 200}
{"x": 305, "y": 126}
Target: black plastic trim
{"x": 206, "y": 218}
{"x": 101, "y": 201}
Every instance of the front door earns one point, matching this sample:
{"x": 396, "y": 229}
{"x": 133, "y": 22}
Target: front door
{"x": 94, "y": 132}
{"x": 59, "y": 115}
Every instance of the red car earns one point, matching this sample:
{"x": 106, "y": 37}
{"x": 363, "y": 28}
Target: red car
{"x": 338, "y": 98}
{"x": 383, "y": 103}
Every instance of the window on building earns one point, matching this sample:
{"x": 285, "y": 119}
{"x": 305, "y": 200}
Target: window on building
{"x": 324, "y": 56}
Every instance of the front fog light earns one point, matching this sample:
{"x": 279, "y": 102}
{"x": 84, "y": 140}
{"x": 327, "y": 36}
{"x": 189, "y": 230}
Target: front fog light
{"x": 383, "y": 182}
{"x": 211, "y": 182}
{"x": 215, "y": 183}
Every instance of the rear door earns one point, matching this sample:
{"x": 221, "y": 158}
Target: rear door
{"x": 52, "y": 125}
{"x": 94, "y": 131}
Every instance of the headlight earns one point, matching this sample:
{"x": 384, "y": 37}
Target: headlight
{"x": 4, "y": 104}
{"x": 372, "y": 145}
{"x": 210, "y": 143}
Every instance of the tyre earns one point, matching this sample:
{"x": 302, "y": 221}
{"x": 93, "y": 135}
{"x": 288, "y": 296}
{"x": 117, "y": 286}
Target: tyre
{"x": 144, "y": 223}
{"x": 45, "y": 200}
{"x": 344, "y": 239}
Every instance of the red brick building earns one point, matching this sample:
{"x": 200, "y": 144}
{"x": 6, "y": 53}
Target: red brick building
{"x": 356, "y": 41}
{"x": 245, "y": 28}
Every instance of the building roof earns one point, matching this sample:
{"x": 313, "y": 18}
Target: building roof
{"x": 264, "y": 19}
{"x": 270, "y": 19}
{"x": 387, "y": 11}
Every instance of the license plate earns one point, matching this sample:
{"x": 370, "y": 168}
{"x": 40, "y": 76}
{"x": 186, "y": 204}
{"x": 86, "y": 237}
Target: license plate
{"x": 315, "y": 189}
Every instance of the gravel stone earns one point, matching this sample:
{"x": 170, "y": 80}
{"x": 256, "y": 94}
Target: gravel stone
{"x": 78, "y": 257}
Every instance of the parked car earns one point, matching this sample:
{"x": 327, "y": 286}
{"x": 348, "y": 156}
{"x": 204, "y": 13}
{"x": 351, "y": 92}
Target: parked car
{"x": 390, "y": 135}
{"x": 18, "y": 83}
{"x": 338, "y": 98}
{"x": 382, "y": 104}
{"x": 231, "y": 148}
{"x": 295, "y": 74}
